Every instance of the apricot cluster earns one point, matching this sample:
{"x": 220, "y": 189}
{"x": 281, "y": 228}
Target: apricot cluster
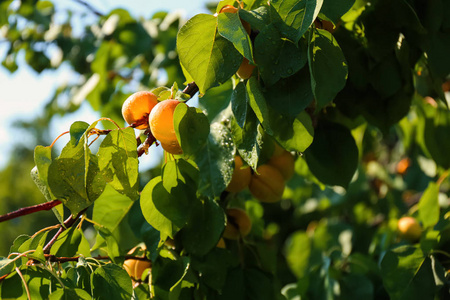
{"x": 268, "y": 182}
{"x": 144, "y": 111}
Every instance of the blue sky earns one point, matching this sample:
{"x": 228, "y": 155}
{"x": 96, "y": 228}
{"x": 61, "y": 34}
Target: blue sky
{"x": 24, "y": 93}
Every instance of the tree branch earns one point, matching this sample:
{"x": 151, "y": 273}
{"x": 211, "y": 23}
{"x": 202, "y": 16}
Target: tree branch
{"x": 89, "y": 7}
{"x": 67, "y": 224}
{"x": 29, "y": 210}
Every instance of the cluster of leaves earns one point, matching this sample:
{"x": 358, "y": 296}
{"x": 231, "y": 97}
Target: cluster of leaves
{"x": 351, "y": 103}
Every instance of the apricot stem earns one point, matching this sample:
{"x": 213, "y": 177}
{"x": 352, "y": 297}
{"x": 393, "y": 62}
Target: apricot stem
{"x": 57, "y": 138}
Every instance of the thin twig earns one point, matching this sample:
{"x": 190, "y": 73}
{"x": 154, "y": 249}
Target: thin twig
{"x": 29, "y": 210}
{"x": 67, "y": 224}
{"x": 24, "y": 283}
{"x": 90, "y": 7}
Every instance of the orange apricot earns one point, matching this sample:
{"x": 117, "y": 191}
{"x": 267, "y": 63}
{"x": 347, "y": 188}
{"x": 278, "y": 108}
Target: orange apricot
{"x": 161, "y": 125}
{"x": 268, "y": 185}
{"x": 238, "y": 224}
{"x": 409, "y": 229}
{"x": 137, "y": 107}
{"x": 221, "y": 244}
{"x": 136, "y": 267}
{"x": 403, "y": 165}
{"x": 245, "y": 70}
{"x": 285, "y": 163}
{"x": 241, "y": 177}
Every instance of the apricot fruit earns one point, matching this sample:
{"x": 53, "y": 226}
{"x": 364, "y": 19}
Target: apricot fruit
{"x": 161, "y": 125}
{"x": 267, "y": 185}
{"x": 238, "y": 224}
{"x": 137, "y": 108}
{"x": 403, "y": 166}
{"x": 221, "y": 244}
{"x": 245, "y": 70}
{"x": 241, "y": 176}
{"x": 136, "y": 267}
{"x": 285, "y": 163}
{"x": 409, "y": 229}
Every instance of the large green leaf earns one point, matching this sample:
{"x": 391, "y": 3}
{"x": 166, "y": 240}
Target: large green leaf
{"x": 111, "y": 208}
{"x": 239, "y": 103}
{"x": 277, "y": 57}
{"x": 209, "y": 58}
{"x": 327, "y": 66}
{"x": 111, "y": 282}
{"x": 74, "y": 177}
{"x": 334, "y": 9}
{"x": 298, "y": 253}
{"x": 204, "y": 228}
{"x": 231, "y": 28}
{"x": 333, "y": 155}
{"x": 70, "y": 243}
{"x": 293, "y": 134}
{"x": 67, "y": 293}
{"x": 297, "y": 16}
{"x": 429, "y": 205}
{"x": 248, "y": 140}
{"x": 191, "y": 127}
{"x": 408, "y": 274}
{"x": 291, "y": 95}
{"x": 436, "y": 135}
{"x": 258, "y": 103}
{"x": 215, "y": 161}
{"x": 118, "y": 161}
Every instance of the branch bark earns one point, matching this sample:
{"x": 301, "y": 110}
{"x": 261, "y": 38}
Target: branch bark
{"x": 29, "y": 210}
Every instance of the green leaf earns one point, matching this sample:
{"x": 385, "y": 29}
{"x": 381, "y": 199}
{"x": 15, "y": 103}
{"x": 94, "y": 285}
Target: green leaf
{"x": 297, "y": 16}
{"x": 327, "y": 66}
{"x": 153, "y": 216}
{"x": 277, "y": 57}
{"x": 436, "y": 135}
{"x": 111, "y": 208}
{"x": 291, "y": 95}
{"x": 118, "y": 161}
{"x": 204, "y": 228}
{"x": 216, "y": 100}
{"x": 248, "y": 140}
{"x": 334, "y": 9}
{"x": 209, "y": 58}
{"x": 333, "y": 155}
{"x": 231, "y": 28}
{"x": 74, "y": 177}
{"x": 293, "y": 134}
{"x": 167, "y": 273}
{"x": 112, "y": 245}
{"x": 239, "y": 103}
{"x": 298, "y": 253}
{"x": 67, "y": 294}
{"x": 215, "y": 161}
{"x": 70, "y": 243}
{"x": 38, "y": 280}
{"x": 429, "y": 205}
{"x": 213, "y": 266}
{"x": 191, "y": 127}
{"x": 408, "y": 274}
{"x": 111, "y": 282}
{"x": 6, "y": 266}
{"x": 258, "y": 103}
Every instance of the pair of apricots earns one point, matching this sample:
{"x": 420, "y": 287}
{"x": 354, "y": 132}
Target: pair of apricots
{"x": 143, "y": 109}
{"x": 268, "y": 182}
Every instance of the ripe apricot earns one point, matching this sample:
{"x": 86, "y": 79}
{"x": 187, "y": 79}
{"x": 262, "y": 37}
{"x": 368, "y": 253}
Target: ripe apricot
{"x": 403, "y": 165}
{"x": 137, "y": 107}
{"x": 409, "y": 228}
{"x": 245, "y": 70}
{"x": 161, "y": 125}
{"x": 268, "y": 185}
{"x": 238, "y": 224}
{"x": 241, "y": 177}
{"x": 136, "y": 267}
{"x": 221, "y": 244}
{"x": 285, "y": 163}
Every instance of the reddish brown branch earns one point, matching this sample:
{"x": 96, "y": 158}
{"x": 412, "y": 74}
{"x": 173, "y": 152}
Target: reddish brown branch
{"x": 67, "y": 224}
{"x": 29, "y": 210}
{"x": 191, "y": 89}
{"x": 53, "y": 258}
